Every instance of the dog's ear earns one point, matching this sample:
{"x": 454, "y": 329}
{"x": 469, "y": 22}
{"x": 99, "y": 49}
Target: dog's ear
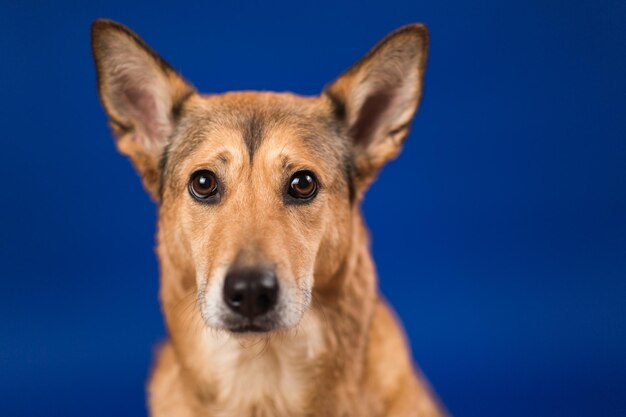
{"x": 376, "y": 98}
{"x": 140, "y": 92}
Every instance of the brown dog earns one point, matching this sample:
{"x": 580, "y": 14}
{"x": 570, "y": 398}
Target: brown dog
{"x": 267, "y": 282}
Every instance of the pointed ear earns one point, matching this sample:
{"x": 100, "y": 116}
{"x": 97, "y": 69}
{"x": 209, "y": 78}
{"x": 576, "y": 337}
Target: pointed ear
{"x": 141, "y": 94}
{"x": 377, "y": 98}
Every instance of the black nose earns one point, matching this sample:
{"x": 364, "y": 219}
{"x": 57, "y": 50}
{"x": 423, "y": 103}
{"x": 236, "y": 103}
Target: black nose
{"x": 251, "y": 292}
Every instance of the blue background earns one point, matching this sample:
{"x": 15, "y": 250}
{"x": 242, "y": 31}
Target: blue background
{"x": 499, "y": 235}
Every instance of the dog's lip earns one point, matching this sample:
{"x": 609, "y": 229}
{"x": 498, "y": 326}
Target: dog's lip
{"x": 249, "y": 328}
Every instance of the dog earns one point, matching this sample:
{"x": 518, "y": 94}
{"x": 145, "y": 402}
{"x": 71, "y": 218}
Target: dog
{"x": 267, "y": 283}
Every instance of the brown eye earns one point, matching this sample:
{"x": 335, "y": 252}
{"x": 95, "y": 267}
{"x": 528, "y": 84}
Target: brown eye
{"x": 303, "y": 185}
{"x": 203, "y": 185}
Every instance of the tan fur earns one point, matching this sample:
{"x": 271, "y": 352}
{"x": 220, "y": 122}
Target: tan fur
{"x": 337, "y": 350}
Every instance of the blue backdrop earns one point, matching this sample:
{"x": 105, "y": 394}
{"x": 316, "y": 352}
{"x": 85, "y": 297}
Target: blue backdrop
{"x": 499, "y": 235}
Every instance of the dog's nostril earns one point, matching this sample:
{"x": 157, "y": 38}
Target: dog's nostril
{"x": 251, "y": 292}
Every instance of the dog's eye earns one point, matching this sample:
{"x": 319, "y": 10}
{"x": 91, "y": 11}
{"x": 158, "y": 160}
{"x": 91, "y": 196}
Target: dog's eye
{"x": 203, "y": 185}
{"x": 303, "y": 185}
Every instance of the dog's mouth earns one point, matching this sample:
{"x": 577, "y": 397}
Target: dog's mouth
{"x": 239, "y": 325}
{"x": 250, "y": 328}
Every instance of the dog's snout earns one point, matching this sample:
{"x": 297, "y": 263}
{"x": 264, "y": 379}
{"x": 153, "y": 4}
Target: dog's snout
{"x": 251, "y": 292}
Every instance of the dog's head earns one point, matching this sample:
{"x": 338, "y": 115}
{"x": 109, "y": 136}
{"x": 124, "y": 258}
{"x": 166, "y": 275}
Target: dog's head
{"x": 256, "y": 191}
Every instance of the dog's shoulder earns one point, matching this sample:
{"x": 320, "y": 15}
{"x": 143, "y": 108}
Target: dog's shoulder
{"x": 390, "y": 369}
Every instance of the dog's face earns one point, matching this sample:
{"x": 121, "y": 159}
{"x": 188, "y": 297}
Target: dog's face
{"x": 257, "y": 192}
{"x": 254, "y": 192}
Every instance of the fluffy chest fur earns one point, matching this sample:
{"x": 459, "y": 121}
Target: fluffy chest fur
{"x": 264, "y": 376}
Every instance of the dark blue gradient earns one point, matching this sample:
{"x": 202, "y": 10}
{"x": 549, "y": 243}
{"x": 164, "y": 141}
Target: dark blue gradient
{"x": 499, "y": 234}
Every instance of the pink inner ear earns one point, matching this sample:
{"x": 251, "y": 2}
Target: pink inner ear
{"x": 143, "y": 109}
{"x": 372, "y": 116}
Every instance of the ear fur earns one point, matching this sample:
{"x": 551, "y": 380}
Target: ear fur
{"x": 141, "y": 94}
{"x": 377, "y": 98}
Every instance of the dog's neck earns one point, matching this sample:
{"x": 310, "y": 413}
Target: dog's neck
{"x": 234, "y": 373}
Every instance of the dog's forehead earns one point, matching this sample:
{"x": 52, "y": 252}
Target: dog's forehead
{"x": 258, "y": 118}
